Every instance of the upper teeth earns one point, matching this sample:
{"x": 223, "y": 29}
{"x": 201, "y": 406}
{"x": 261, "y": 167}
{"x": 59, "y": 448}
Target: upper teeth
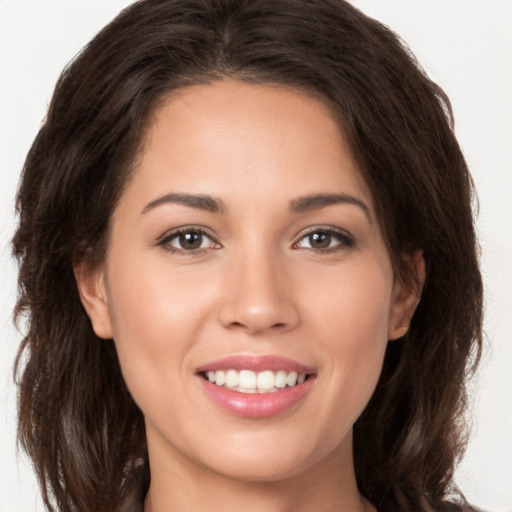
{"x": 248, "y": 381}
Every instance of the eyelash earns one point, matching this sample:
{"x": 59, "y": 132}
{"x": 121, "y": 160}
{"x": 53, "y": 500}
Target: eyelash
{"x": 166, "y": 239}
{"x": 345, "y": 240}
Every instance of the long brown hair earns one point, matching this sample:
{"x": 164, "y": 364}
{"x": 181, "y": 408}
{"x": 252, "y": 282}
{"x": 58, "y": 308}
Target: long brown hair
{"x": 77, "y": 419}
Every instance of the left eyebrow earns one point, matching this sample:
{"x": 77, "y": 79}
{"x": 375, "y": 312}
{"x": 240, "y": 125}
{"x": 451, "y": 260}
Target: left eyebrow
{"x": 199, "y": 201}
{"x": 319, "y": 201}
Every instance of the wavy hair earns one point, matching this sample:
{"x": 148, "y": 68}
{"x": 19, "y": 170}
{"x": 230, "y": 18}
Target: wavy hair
{"x": 77, "y": 420}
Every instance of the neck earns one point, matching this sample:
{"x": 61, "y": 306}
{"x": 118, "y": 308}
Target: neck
{"x": 329, "y": 485}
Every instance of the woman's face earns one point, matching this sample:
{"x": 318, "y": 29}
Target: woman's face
{"x": 246, "y": 249}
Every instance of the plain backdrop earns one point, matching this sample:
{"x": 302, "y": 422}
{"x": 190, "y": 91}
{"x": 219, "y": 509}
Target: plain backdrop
{"x": 465, "y": 45}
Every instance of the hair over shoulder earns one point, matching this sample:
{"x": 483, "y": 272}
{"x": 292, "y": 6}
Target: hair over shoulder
{"x": 77, "y": 420}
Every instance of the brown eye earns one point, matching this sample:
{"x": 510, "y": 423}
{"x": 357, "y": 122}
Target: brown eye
{"x": 190, "y": 241}
{"x": 326, "y": 240}
{"x": 319, "y": 240}
{"x": 187, "y": 240}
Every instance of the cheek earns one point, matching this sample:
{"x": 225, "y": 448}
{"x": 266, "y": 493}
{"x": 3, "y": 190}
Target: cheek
{"x": 350, "y": 319}
{"x": 353, "y": 304}
{"x": 362, "y": 325}
{"x": 156, "y": 318}
{"x": 151, "y": 300}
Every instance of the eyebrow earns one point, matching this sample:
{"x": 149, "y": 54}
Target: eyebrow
{"x": 200, "y": 202}
{"x": 319, "y": 201}
{"x": 300, "y": 205}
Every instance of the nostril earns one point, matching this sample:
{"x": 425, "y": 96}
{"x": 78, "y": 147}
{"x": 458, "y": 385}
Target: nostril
{"x": 256, "y": 317}
{"x": 256, "y": 328}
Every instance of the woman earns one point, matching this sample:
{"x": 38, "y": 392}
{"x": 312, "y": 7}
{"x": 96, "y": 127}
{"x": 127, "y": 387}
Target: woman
{"x": 247, "y": 252}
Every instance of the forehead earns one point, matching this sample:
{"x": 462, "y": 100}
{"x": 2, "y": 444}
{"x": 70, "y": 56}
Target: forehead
{"x": 230, "y": 137}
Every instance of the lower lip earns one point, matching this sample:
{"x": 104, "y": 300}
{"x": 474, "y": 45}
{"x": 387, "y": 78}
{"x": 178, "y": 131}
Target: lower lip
{"x": 257, "y": 405}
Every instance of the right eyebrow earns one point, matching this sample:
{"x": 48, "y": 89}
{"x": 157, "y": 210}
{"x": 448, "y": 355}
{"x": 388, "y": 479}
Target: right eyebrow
{"x": 319, "y": 201}
{"x": 198, "y": 201}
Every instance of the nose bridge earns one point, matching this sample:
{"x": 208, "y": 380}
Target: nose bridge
{"x": 258, "y": 291}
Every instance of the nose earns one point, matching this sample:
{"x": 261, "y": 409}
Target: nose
{"x": 258, "y": 295}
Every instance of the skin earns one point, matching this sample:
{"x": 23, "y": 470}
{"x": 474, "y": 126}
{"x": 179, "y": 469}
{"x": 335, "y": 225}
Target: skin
{"x": 256, "y": 286}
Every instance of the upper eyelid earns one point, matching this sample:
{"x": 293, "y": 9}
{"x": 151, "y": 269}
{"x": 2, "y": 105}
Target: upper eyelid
{"x": 325, "y": 229}
{"x": 164, "y": 241}
{"x": 208, "y": 232}
{"x": 184, "y": 229}
{"x": 346, "y": 239}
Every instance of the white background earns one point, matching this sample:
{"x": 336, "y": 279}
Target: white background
{"x": 465, "y": 45}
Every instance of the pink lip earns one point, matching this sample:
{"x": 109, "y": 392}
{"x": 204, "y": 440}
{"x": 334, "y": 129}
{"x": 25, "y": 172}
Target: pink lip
{"x": 256, "y": 364}
{"x": 257, "y": 405}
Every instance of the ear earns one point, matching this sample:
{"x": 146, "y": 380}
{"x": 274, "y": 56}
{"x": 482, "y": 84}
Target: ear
{"x": 93, "y": 294}
{"x": 406, "y": 295}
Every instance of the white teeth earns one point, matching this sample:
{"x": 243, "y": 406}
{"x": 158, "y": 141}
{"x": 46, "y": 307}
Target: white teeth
{"x": 246, "y": 390}
{"x": 231, "y": 379}
{"x": 291, "y": 379}
{"x": 273, "y": 390}
{"x": 247, "y": 381}
{"x": 266, "y": 380}
{"x": 220, "y": 378}
{"x": 280, "y": 379}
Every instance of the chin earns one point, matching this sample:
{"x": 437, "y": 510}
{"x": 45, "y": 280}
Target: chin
{"x": 268, "y": 458}
{"x": 260, "y": 469}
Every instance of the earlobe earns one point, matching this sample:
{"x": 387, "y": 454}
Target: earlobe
{"x": 406, "y": 296}
{"x": 93, "y": 295}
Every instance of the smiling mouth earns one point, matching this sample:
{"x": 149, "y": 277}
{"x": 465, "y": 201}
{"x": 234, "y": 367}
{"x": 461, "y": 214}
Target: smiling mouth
{"x": 248, "y": 381}
{"x": 250, "y": 386}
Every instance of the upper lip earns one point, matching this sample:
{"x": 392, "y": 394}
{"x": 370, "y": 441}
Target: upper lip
{"x": 256, "y": 364}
